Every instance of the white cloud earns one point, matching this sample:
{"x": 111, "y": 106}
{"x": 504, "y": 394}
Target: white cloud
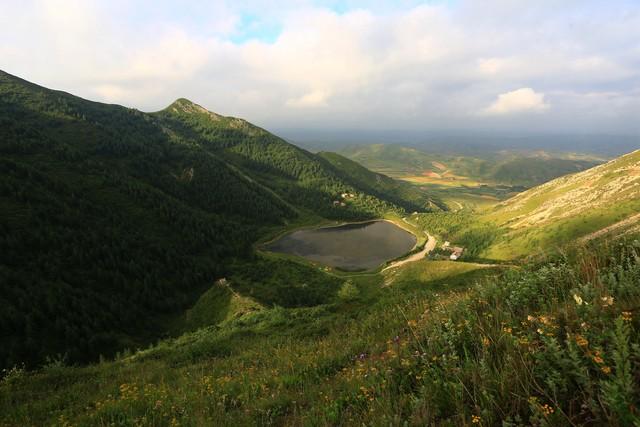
{"x": 422, "y": 67}
{"x": 524, "y": 100}
{"x": 312, "y": 99}
{"x": 110, "y": 93}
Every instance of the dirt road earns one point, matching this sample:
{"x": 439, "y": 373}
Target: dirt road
{"x": 428, "y": 247}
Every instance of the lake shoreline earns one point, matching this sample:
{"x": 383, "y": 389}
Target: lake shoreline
{"x": 261, "y": 245}
{"x": 348, "y": 258}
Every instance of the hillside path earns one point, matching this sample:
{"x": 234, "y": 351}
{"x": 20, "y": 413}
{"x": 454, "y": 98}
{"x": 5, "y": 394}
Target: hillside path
{"x": 428, "y": 247}
{"x": 620, "y": 224}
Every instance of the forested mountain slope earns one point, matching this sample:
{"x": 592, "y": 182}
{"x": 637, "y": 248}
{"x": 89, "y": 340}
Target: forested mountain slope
{"x": 112, "y": 219}
{"x": 377, "y": 183}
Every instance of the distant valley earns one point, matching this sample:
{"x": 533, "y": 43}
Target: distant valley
{"x": 476, "y": 180}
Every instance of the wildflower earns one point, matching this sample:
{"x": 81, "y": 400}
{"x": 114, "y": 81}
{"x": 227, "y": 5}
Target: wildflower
{"x": 577, "y": 299}
{"x": 607, "y": 301}
{"x": 598, "y": 359}
{"x": 605, "y": 369}
{"x": 545, "y": 320}
{"x": 531, "y": 318}
{"x": 475, "y": 419}
{"x": 627, "y": 316}
{"x": 507, "y": 330}
{"x": 546, "y": 409}
{"x": 584, "y": 325}
{"x": 412, "y": 323}
{"x": 485, "y": 341}
{"x": 581, "y": 341}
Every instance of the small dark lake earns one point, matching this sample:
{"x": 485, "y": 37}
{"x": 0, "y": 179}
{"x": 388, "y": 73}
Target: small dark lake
{"x": 360, "y": 246}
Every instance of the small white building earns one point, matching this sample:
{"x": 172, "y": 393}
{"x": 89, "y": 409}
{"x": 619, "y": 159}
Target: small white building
{"x": 457, "y": 253}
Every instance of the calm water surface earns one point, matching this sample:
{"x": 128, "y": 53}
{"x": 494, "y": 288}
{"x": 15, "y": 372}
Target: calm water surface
{"x": 350, "y": 247}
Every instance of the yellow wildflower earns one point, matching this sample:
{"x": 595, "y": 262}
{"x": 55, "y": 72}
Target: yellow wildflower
{"x": 546, "y": 409}
{"x": 607, "y": 301}
{"x": 546, "y": 320}
{"x": 581, "y": 341}
{"x": 475, "y": 419}
{"x": 606, "y": 369}
{"x": 627, "y": 316}
{"x": 578, "y": 299}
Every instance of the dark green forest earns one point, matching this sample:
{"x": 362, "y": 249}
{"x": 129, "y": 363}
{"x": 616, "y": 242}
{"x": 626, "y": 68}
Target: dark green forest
{"x": 113, "y": 220}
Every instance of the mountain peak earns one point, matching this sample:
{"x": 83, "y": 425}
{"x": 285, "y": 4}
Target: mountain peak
{"x": 183, "y": 105}
{"x": 183, "y": 101}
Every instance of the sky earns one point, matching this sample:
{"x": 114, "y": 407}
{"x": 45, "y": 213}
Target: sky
{"x": 505, "y": 65}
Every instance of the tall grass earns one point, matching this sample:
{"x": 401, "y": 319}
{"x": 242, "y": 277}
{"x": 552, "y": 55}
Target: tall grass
{"x": 554, "y": 343}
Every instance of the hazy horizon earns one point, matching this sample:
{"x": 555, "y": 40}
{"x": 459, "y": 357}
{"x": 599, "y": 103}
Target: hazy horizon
{"x": 605, "y": 145}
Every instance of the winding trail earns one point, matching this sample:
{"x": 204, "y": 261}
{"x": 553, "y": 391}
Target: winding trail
{"x": 613, "y": 227}
{"x": 428, "y": 247}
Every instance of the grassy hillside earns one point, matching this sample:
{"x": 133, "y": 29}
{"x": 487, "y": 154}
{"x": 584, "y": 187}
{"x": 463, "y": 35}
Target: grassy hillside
{"x": 554, "y": 343}
{"x": 113, "y": 221}
{"x": 568, "y": 208}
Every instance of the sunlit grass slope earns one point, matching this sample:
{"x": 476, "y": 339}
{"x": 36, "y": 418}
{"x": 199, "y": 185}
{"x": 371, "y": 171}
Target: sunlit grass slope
{"x": 567, "y": 208}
